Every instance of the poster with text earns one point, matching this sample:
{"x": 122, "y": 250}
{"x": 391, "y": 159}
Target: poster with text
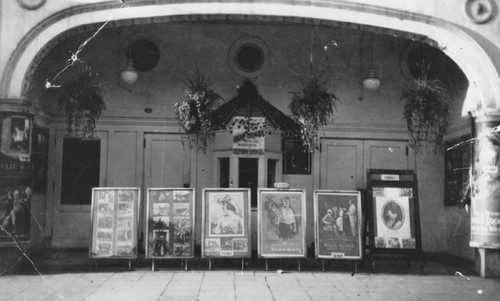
{"x": 226, "y": 223}
{"x": 170, "y": 216}
{"x": 282, "y": 223}
{"x": 338, "y": 224}
{"x": 393, "y": 218}
{"x": 115, "y": 216}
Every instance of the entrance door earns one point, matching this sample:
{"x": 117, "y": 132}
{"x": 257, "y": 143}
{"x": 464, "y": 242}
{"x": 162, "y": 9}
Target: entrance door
{"x": 248, "y": 176}
{"x": 166, "y": 164}
{"x": 342, "y": 164}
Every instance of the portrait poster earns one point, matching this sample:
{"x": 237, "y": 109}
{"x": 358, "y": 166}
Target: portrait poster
{"x": 296, "y": 159}
{"x": 282, "y": 223}
{"x": 395, "y": 219}
{"x": 170, "y": 216}
{"x": 338, "y": 224}
{"x": 115, "y": 216}
{"x": 226, "y": 223}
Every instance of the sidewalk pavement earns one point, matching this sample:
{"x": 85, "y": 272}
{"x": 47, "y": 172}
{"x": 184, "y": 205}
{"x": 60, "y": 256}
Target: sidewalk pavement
{"x": 144, "y": 284}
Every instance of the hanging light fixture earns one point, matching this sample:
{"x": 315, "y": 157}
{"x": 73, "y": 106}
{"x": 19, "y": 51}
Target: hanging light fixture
{"x": 129, "y": 75}
{"x": 371, "y": 81}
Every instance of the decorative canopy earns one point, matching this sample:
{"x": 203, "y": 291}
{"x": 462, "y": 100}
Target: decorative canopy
{"x": 248, "y": 102}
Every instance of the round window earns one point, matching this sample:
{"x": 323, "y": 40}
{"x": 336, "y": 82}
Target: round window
{"x": 145, "y": 54}
{"x": 249, "y": 57}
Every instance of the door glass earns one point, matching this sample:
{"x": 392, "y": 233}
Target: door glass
{"x": 271, "y": 172}
{"x": 224, "y": 172}
{"x": 248, "y": 176}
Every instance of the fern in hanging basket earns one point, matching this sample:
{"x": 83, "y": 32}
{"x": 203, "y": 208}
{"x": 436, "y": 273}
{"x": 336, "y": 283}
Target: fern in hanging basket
{"x": 194, "y": 109}
{"x": 426, "y": 110}
{"x": 82, "y": 101}
{"x": 312, "y": 108}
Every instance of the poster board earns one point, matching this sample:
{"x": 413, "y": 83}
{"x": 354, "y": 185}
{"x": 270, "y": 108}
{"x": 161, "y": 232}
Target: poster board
{"x": 395, "y": 219}
{"x": 115, "y": 217}
{"x": 170, "y": 223}
{"x": 282, "y": 223}
{"x": 338, "y": 224}
{"x": 226, "y": 223}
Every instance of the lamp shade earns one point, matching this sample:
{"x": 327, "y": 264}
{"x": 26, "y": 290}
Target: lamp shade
{"x": 129, "y": 75}
{"x": 371, "y": 81}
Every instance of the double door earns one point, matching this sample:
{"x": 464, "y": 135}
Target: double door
{"x": 345, "y": 162}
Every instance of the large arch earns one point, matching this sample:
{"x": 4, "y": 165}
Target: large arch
{"x": 484, "y": 80}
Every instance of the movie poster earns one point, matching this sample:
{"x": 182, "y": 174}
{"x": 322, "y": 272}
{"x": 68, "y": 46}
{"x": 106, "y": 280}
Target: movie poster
{"x": 394, "y": 224}
{"x": 282, "y": 223}
{"x": 170, "y": 216}
{"x": 114, "y": 222}
{"x": 338, "y": 224}
{"x": 226, "y": 223}
{"x": 16, "y": 179}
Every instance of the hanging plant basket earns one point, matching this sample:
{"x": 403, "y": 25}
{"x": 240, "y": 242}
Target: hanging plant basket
{"x": 312, "y": 108}
{"x": 82, "y": 102}
{"x": 194, "y": 109}
{"x": 426, "y": 110}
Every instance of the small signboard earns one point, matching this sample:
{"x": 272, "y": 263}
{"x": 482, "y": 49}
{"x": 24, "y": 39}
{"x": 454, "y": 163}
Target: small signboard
{"x": 338, "y": 219}
{"x": 282, "y": 223}
{"x": 115, "y": 216}
{"x": 170, "y": 223}
{"x": 394, "y": 221}
{"x": 226, "y": 223}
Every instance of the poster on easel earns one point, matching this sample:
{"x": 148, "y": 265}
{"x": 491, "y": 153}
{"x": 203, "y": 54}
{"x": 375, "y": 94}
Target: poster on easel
{"x": 115, "y": 218}
{"x": 170, "y": 223}
{"x": 282, "y": 223}
{"x": 226, "y": 223}
{"x": 395, "y": 221}
{"x": 338, "y": 224}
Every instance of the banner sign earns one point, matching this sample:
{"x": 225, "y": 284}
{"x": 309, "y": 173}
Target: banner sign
{"x": 282, "y": 223}
{"x": 115, "y": 216}
{"x": 170, "y": 216}
{"x": 338, "y": 224}
{"x": 248, "y": 135}
{"x": 226, "y": 223}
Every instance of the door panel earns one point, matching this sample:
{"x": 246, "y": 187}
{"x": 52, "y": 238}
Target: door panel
{"x": 386, "y": 155}
{"x": 164, "y": 161}
{"x": 341, "y": 164}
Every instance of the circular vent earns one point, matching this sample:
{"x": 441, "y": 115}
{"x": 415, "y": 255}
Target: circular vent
{"x": 248, "y": 56}
{"x": 144, "y": 53}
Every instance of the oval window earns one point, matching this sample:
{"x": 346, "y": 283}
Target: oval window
{"x": 145, "y": 54}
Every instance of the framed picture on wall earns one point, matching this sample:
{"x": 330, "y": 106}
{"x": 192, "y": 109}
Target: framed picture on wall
{"x": 337, "y": 224}
{"x": 394, "y": 221}
{"x": 226, "y": 223}
{"x": 457, "y": 173}
{"x": 296, "y": 159}
{"x": 170, "y": 223}
{"x": 282, "y": 223}
{"x": 115, "y": 217}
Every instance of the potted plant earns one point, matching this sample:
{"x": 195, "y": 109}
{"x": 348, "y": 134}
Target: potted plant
{"x": 82, "y": 102}
{"x": 194, "y": 109}
{"x": 312, "y": 108}
{"x": 426, "y": 110}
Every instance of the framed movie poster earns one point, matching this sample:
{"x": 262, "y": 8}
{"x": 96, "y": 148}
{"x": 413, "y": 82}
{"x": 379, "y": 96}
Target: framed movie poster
{"x": 338, "y": 224}
{"x": 170, "y": 216}
{"x": 282, "y": 223}
{"x": 226, "y": 223}
{"x": 115, "y": 216}
{"x": 395, "y": 221}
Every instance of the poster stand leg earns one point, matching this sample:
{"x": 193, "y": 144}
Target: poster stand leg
{"x": 210, "y": 264}
{"x": 242, "y": 264}
{"x": 267, "y": 265}
{"x": 130, "y": 265}
{"x": 322, "y": 265}
{"x": 186, "y": 265}
{"x": 95, "y": 265}
{"x": 153, "y": 265}
{"x": 355, "y": 267}
{"x": 298, "y": 265}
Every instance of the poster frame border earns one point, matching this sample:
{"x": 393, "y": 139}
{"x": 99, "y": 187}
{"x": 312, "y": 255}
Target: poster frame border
{"x": 248, "y": 224}
{"x": 136, "y": 226}
{"x": 414, "y": 208}
{"x": 360, "y": 227}
{"x": 303, "y": 223}
{"x": 193, "y": 221}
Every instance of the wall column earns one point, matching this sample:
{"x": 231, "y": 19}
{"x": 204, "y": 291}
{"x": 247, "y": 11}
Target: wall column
{"x": 485, "y": 204}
